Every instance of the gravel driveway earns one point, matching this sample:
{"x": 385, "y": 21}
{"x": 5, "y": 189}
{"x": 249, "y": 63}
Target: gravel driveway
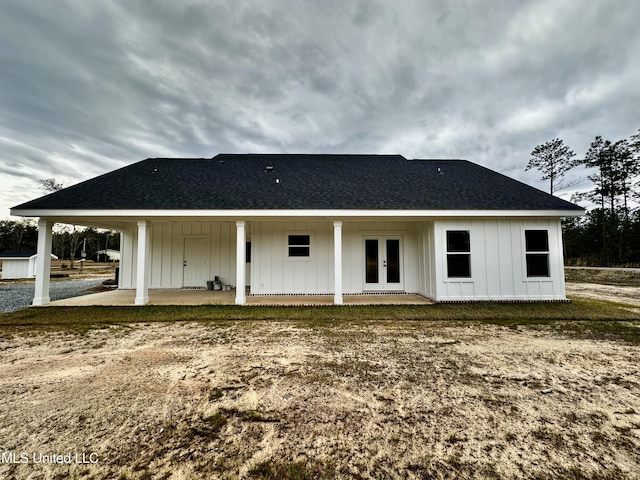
{"x": 16, "y": 296}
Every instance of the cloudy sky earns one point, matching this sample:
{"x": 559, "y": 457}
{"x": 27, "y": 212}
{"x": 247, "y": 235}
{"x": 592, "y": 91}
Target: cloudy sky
{"x": 90, "y": 86}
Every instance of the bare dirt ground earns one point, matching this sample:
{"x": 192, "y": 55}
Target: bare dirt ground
{"x": 608, "y": 284}
{"x": 610, "y": 293}
{"x": 298, "y": 400}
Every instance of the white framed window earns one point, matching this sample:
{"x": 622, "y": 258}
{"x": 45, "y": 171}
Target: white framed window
{"x": 298, "y": 245}
{"x": 458, "y": 254}
{"x": 537, "y": 253}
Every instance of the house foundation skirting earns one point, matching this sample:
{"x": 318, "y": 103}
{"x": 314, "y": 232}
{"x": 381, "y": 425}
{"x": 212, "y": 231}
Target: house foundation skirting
{"x": 290, "y": 294}
{"x": 507, "y": 300}
{"x": 358, "y": 294}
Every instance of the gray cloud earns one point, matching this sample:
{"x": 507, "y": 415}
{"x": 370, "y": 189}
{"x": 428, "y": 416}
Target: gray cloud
{"x": 87, "y": 87}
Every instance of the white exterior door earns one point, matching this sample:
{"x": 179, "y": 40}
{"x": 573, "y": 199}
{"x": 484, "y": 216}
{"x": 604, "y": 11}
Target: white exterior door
{"x": 383, "y": 263}
{"x": 195, "y": 263}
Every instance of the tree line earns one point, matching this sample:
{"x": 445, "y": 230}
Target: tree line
{"x": 609, "y": 235}
{"x": 67, "y": 241}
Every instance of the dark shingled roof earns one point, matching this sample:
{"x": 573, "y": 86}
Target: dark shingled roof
{"x": 230, "y": 181}
{"x": 17, "y": 253}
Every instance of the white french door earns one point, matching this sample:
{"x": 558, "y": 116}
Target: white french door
{"x": 383, "y": 263}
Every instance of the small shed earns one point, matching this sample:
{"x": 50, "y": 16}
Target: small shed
{"x": 110, "y": 254}
{"x": 19, "y": 264}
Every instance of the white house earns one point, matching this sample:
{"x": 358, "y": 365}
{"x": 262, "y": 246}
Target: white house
{"x": 449, "y": 230}
{"x": 19, "y": 264}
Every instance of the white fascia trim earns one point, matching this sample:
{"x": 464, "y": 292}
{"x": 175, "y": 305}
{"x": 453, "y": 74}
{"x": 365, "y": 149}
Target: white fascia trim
{"x": 137, "y": 214}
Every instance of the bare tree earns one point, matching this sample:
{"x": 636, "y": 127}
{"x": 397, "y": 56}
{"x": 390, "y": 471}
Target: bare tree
{"x": 51, "y": 185}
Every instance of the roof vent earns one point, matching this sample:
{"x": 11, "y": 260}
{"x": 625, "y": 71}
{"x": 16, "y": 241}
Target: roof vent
{"x": 440, "y": 172}
{"x": 277, "y": 182}
{"x": 268, "y": 168}
{"x": 155, "y": 170}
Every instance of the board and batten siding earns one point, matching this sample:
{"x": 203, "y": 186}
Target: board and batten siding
{"x": 167, "y": 253}
{"x": 128, "y": 249}
{"x": 498, "y": 261}
{"x": 426, "y": 276}
{"x": 498, "y": 257}
{"x": 353, "y": 256}
{"x": 273, "y": 272}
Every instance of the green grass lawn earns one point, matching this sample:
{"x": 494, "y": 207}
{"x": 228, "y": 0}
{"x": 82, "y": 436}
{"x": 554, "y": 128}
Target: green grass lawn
{"x": 584, "y": 317}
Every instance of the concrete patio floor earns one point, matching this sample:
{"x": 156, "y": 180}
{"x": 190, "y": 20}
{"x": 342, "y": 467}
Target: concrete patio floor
{"x": 205, "y": 297}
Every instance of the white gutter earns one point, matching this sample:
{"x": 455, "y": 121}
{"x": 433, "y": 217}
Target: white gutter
{"x": 334, "y": 213}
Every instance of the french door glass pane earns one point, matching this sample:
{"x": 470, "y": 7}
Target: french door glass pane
{"x": 393, "y": 261}
{"x": 371, "y": 257}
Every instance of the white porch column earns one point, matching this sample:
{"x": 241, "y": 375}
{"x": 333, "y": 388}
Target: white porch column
{"x": 43, "y": 263}
{"x": 121, "y": 258}
{"x": 142, "y": 274}
{"x": 337, "y": 262}
{"x": 241, "y": 258}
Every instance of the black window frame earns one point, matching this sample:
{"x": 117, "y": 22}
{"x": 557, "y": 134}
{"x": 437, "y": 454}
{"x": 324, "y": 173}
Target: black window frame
{"x": 300, "y": 248}
{"x": 458, "y": 254}
{"x": 537, "y": 253}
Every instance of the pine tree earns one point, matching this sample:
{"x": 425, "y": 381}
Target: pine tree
{"x": 553, "y": 159}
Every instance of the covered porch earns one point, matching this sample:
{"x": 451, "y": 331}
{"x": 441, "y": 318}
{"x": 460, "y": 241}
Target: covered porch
{"x": 294, "y": 261}
{"x": 207, "y": 297}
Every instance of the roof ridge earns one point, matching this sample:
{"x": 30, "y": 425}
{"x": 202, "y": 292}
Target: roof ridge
{"x": 312, "y": 154}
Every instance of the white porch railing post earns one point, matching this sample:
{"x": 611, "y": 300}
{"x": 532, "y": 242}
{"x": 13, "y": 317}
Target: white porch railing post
{"x": 142, "y": 273}
{"x": 241, "y": 239}
{"x": 43, "y": 263}
{"x": 337, "y": 262}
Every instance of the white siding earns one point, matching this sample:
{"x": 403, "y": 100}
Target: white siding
{"x": 353, "y": 262}
{"x": 19, "y": 267}
{"x": 273, "y": 272}
{"x": 15, "y": 268}
{"x": 426, "y": 273}
{"x": 128, "y": 252}
{"x": 167, "y": 252}
{"x": 498, "y": 268}
{"x": 497, "y": 257}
